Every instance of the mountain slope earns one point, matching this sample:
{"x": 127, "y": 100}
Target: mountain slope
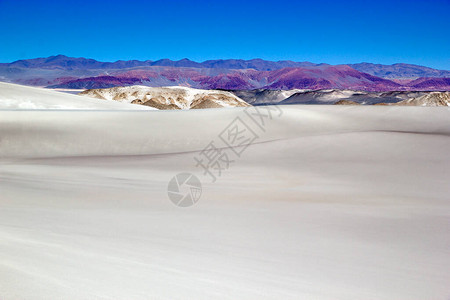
{"x": 326, "y": 77}
{"x": 430, "y": 83}
{"x": 264, "y": 96}
{"x": 399, "y": 70}
{"x": 429, "y": 99}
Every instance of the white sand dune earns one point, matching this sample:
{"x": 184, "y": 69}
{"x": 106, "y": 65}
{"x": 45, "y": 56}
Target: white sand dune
{"x": 91, "y": 133}
{"x": 18, "y": 97}
{"x": 336, "y": 203}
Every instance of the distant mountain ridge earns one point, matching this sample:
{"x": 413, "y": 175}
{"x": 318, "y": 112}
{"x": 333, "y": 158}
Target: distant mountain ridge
{"x": 399, "y": 70}
{"x": 62, "y": 61}
{"x": 233, "y": 74}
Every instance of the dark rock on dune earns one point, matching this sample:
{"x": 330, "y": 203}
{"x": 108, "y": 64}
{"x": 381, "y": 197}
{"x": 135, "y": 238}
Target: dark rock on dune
{"x": 347, "y": 102}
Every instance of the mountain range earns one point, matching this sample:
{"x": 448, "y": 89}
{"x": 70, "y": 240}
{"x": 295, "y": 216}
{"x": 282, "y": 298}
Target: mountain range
{"x": 169, "y": 98}
{"x": 348, "y": 97}
{"x": 232, "y": 74}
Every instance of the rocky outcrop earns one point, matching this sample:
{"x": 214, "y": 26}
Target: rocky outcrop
{"x": 430, "y": 99}
{"x": 168, "y": 98}
{"x": 347, "y": 102}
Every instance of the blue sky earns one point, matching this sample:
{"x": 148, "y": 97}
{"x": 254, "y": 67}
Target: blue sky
{"x": 318, "y": 31}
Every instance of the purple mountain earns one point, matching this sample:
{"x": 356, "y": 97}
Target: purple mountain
{"x": 67, "y": 72}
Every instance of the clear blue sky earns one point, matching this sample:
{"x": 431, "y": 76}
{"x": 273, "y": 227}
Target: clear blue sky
{"x": 318, "y": 31}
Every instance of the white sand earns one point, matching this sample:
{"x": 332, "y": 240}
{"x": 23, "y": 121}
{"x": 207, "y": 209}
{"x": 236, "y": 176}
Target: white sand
{"x": 337, "y": 203}
{"x": 19, "y": 97}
